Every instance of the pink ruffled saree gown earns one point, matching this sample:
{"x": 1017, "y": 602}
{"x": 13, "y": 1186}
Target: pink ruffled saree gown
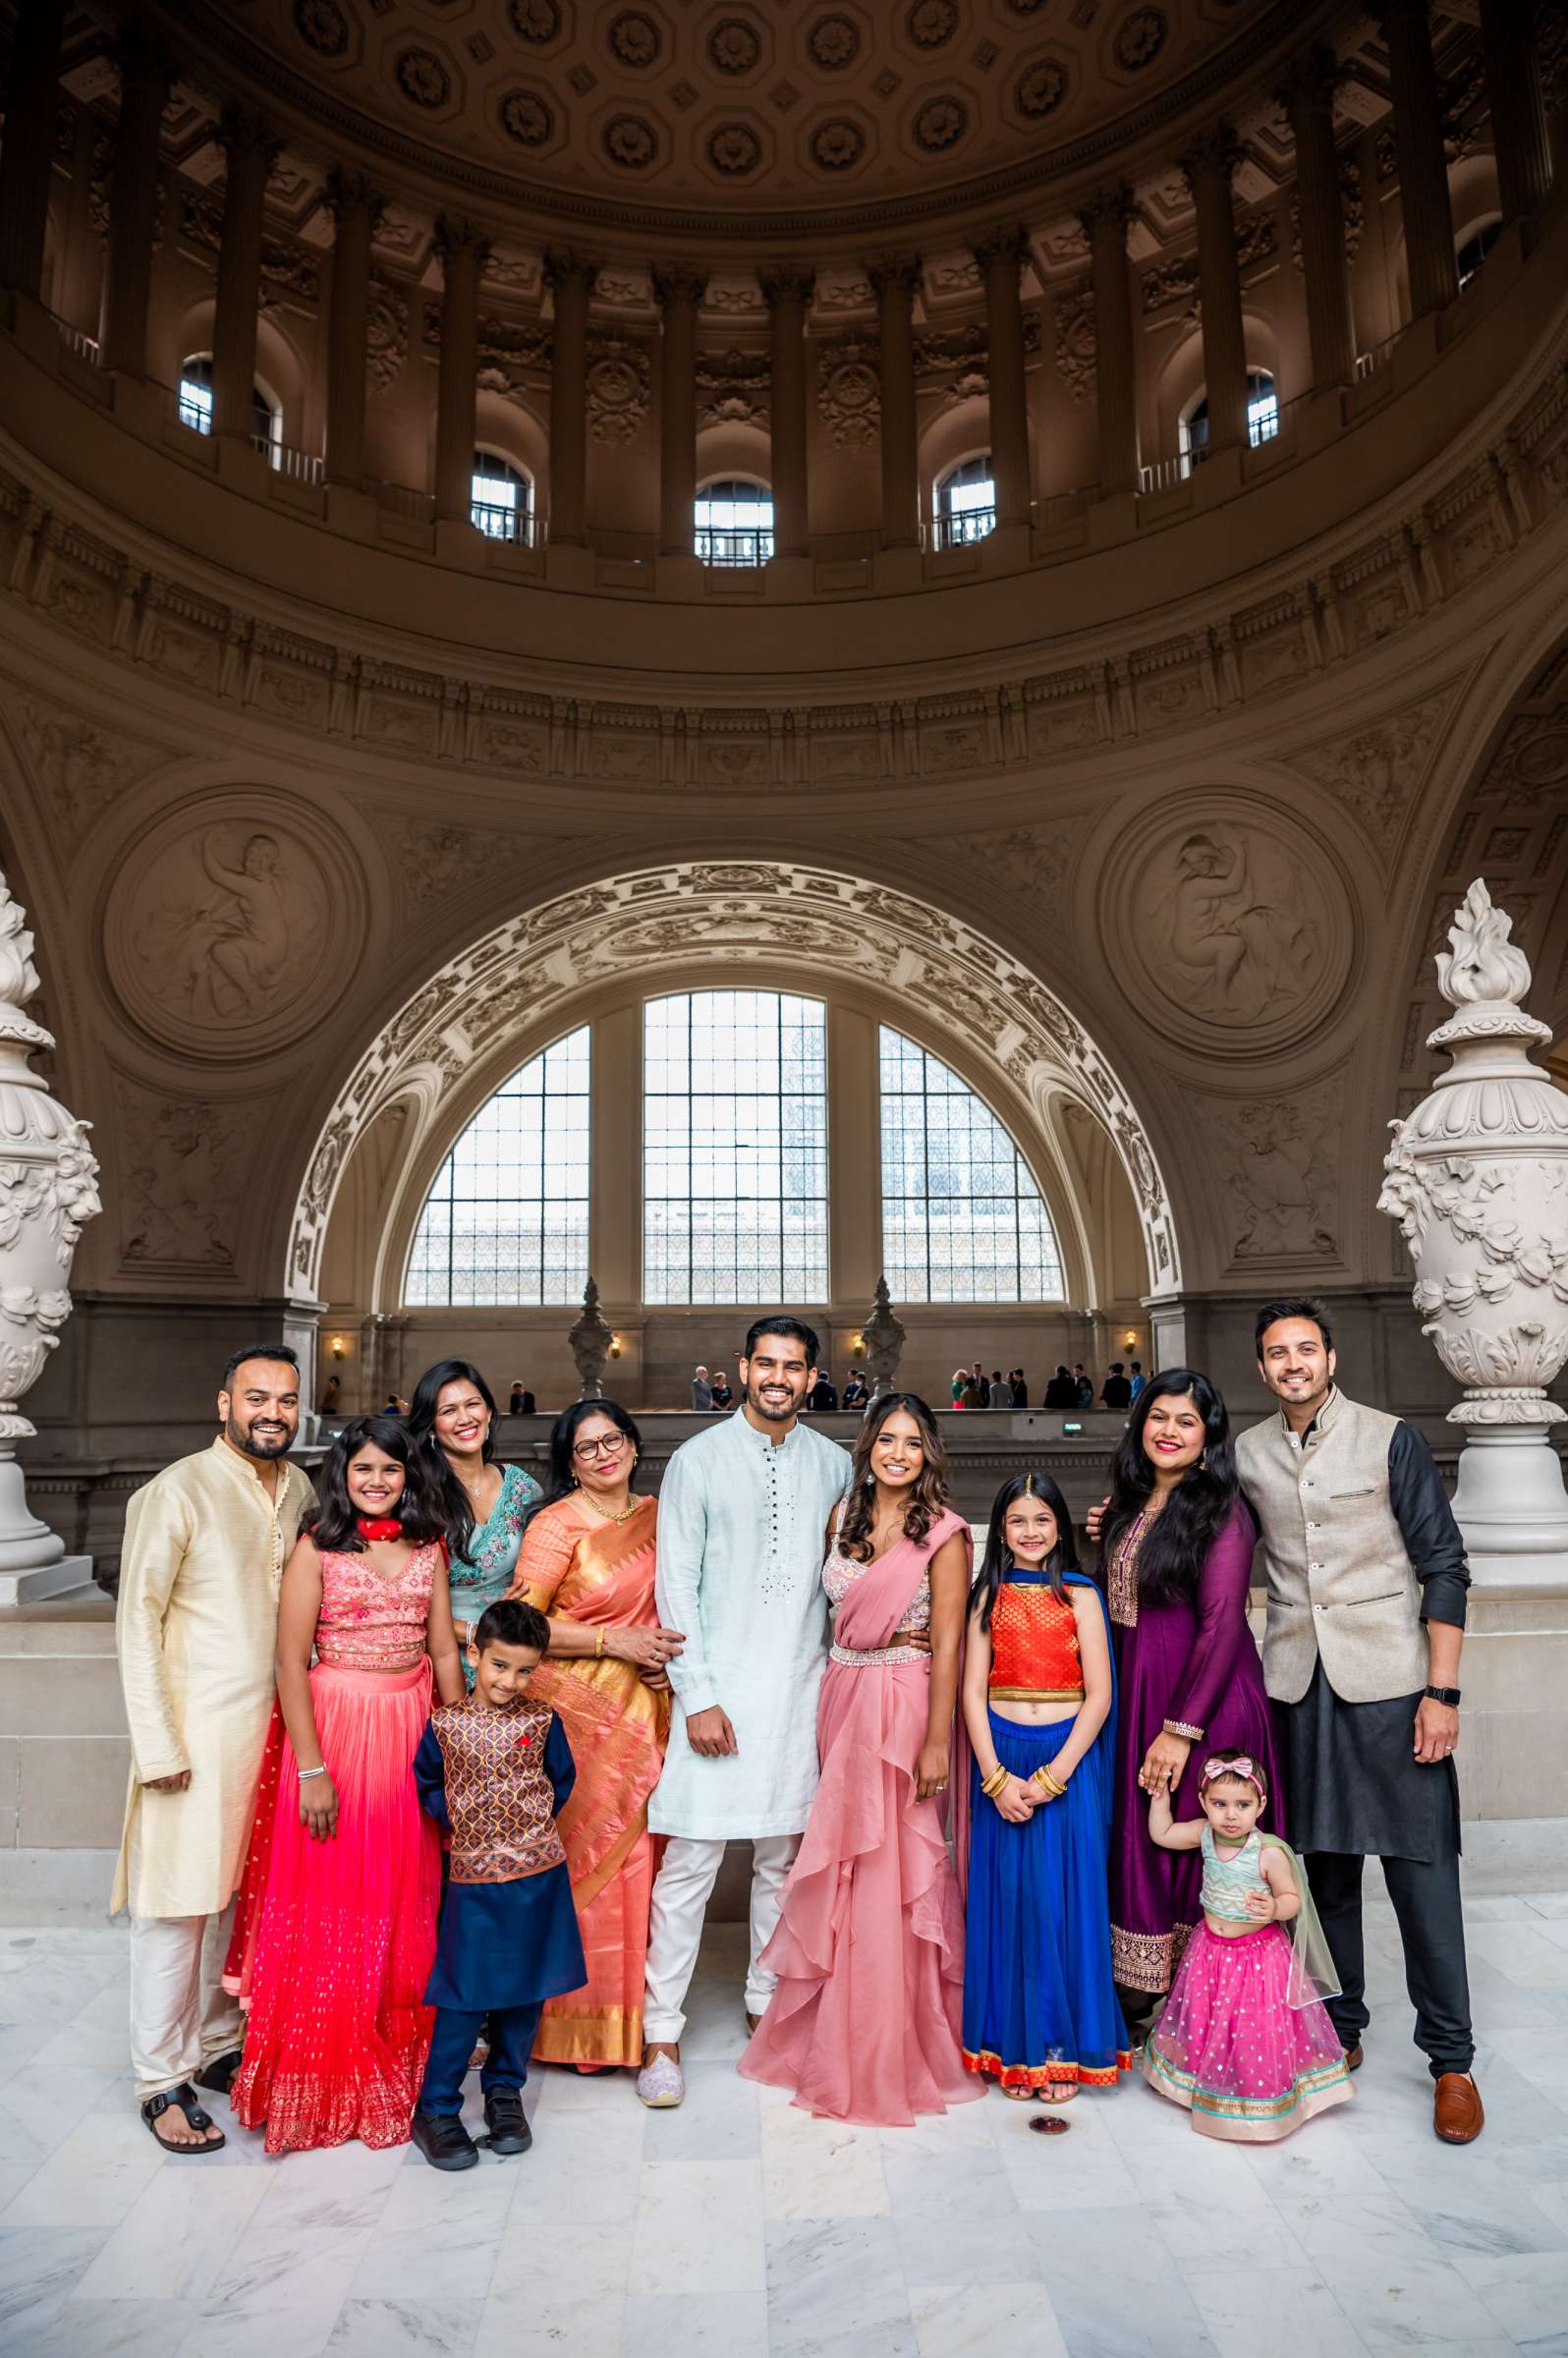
{"x": 865, "y": 2023}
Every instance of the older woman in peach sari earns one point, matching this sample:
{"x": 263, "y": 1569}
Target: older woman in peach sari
{"x": 587, "y": 1562}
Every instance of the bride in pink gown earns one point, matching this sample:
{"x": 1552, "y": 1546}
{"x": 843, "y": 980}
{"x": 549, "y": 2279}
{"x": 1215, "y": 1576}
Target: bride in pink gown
{"x": 865, "y": 2023}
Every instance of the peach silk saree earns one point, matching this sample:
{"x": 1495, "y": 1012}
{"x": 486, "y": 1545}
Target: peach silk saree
{"x": 577, "y": 1568}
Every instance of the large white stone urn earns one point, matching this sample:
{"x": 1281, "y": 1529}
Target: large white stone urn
{"x": 1477, "y": 1179}
{"x": 48, "y": 1189}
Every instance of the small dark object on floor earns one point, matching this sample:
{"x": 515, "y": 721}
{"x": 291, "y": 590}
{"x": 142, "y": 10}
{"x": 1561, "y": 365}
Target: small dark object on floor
{"x": 1049, "y": 2124}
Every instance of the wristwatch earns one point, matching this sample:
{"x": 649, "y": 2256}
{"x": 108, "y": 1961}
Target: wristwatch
{"x": 1448, "y": 1695}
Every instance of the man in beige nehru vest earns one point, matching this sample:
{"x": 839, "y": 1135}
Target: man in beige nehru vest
{"x": 197, "y": 1631}
{"x": 1367, "y": 1581}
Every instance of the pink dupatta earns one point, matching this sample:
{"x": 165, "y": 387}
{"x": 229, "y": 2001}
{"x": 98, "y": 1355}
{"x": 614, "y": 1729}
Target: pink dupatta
{"x": 880, "y": 1593}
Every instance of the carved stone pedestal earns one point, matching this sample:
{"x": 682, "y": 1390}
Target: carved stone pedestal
{"x": 1477, "y": 1179}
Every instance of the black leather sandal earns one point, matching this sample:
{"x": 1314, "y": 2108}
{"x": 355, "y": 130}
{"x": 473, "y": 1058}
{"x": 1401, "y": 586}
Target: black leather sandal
{"x": 221, "y": 2073}
{"x": 185, "y": 2096}
{"x": 443, "y": 2141}
{"x": 507, "y": 2123}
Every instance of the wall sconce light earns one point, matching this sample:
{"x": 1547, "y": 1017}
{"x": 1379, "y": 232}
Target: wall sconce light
{"x": 338, "y": 1347}
{"x": 615, "y": 1346}
{"x": 1130, "y": 1340}
{"x": 857, "y": 1346}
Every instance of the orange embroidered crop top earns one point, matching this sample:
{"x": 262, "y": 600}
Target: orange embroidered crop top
{"x": 373, "y": 1620}
{"x": 1034, "y": 1656}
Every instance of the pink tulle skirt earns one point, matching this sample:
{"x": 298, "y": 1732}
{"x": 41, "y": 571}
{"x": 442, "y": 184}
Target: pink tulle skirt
{"x": 1246, "y": 2064}
{"x": 334, "y": 1940}
{"x": 864, "y": 2024}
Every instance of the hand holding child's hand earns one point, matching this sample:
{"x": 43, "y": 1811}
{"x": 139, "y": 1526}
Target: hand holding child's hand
{"x": 1261, "y": 1905}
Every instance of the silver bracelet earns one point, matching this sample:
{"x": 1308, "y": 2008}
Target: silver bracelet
{"x": 304, "y": 1773}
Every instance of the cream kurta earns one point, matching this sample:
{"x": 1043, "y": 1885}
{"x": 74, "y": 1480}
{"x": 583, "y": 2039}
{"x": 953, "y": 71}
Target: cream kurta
{"x": 197, "y": 1630}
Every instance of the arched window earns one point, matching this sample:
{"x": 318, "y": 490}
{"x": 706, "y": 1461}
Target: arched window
{"x": 966, "y": 503}
{"x": 1472, "y": 250}
{"x": 196, "y": 404}
{"x": 1263, "y": 419}
{"x": 502, "y": 499}
{"x": 734, "y": 1147}
{"x": 506, "y": 1223}
{"x": 734, "y": 521}
{"x": 962, "y": 1217}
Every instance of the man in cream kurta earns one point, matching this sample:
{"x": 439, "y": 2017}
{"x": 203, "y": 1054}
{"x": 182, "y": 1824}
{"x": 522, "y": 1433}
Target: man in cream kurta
{"x": 742, "y": 1519}
{"x": 197, "y": 1631}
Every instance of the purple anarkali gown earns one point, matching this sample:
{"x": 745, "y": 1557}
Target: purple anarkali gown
{"x": 1191, "y": 1663}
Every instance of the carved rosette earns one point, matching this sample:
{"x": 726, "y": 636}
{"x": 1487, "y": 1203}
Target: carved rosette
{"x": 48, "y": 1190}
{"x": 1477, "y": 1179}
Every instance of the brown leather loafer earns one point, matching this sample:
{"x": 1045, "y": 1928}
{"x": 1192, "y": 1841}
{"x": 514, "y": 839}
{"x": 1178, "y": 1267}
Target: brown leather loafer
{"x": 1354, "y": 2057}
{"x": 1457, "y": 2115}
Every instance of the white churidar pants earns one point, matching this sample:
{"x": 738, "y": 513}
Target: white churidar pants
{"x": 681, "y": 1893}
{"x": 182, "y": 2017}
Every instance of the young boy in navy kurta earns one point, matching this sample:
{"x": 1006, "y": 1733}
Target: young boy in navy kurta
{"x": 495, "y": 1770}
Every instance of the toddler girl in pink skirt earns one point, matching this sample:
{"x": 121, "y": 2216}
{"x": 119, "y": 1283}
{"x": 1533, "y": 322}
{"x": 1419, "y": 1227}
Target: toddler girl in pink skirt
{"x": 1244, "y": 2042}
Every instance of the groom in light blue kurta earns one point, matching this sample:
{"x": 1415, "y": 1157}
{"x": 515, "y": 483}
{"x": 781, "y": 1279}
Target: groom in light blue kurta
{"x": 742, "y": 1519}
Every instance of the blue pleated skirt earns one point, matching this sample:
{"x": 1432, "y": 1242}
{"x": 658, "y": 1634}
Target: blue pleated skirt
{"x": 1040, "y": 2005}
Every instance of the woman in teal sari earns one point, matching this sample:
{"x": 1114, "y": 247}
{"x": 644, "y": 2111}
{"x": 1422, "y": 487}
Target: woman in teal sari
{"x": 486, "y": 1504}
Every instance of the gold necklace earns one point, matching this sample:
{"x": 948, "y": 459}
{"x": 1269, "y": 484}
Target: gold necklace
{"x": 611, "y": 1514}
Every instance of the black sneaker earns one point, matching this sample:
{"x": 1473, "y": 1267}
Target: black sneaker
{"x": 443, "y": 2141}
{"x": 504, "y": 2117}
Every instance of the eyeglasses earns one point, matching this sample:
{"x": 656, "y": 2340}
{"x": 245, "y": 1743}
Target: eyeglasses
{"x": 586, "y": 1451}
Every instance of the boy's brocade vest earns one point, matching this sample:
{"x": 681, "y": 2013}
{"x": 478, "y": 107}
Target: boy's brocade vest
{"x": 498, "y": 1796}
{"x": 1340, "y": 1583}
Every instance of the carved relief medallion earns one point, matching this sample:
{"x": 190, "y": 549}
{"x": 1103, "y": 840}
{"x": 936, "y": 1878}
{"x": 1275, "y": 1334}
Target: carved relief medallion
{"x": 1234, "y": 928}
{"x": 234, "y": 926}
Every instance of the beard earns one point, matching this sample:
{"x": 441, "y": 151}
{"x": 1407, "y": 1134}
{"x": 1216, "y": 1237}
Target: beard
{"x": 772, "y": 1413}
{"x": 265, "y": 1447}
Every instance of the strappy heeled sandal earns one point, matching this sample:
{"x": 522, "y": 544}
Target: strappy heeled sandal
{"x": 185, "y": 2098}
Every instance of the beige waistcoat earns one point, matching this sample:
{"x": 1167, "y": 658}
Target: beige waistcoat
{"x": 1340, "y": 1583}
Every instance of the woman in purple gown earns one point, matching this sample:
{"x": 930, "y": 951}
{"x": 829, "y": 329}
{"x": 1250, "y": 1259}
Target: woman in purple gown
{"x": 1176, "y": 1549}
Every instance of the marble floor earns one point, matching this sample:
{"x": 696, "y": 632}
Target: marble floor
{"x": 739, "y": 2227}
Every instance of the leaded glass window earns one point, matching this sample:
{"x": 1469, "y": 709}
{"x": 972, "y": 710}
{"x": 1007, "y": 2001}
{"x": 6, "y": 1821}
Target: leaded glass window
{"x": 962, "y": 1217}
{"x": 735, "y": 1148}
{"x": 506, "y": 1224}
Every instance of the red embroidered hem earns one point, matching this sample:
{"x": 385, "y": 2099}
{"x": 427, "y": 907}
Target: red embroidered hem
{"x": 1046, "y": 2075}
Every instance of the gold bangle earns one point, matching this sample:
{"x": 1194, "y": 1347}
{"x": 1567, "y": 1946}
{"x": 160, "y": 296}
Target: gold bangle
{"x": 598, "y": 1647}
{"x": 1048, "y": 1782}
{"x": 991, "y": 1785}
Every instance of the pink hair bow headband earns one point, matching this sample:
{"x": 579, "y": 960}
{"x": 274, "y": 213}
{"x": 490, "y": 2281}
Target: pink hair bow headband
{"x": 1244, "y": 1768}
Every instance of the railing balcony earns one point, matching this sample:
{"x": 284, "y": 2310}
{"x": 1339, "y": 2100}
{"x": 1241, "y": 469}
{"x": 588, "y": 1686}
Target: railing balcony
{"x": 500, "y": 523}
{"x": 74, "y": 340}
{"x": 299, "y": 466}
{"x": 726, "y": 546}
{"x": 196, "y": 415}
{"x": 958, "y": 527}
{"x": 403, "y": 500}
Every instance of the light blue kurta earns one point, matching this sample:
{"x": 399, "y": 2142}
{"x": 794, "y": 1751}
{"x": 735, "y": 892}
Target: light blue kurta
{"x": 742, "y": 1523}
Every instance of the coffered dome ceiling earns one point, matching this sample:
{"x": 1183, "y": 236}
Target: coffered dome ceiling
{"x": 775, "y": 116}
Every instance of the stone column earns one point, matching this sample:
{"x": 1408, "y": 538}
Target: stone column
{"x": 1308, "y": 98}
{"x": 571, "y": 280}
{"x": 1475, "y": 1177}
{"x": 27, "y": 159}
{"x": 679, "y": 293}
{"x": 146, "y": 74}
{"x": 788, "y": 290}
{"x": 1104, "y": 220}
{"x": 896, "y": 281}
{"x": 463, "y": 251}
{"x": 252, "y": 156}
{"x": 1207, "y": 167}
{"x": 356, "y": 209}
{"x": 1518, "y": 107}
{"x": 1001, "y": 256}
{"x": 1423, "y": 166}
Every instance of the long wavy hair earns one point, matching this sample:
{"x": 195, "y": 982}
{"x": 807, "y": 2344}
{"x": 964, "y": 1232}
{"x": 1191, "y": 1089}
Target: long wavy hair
{"x": 457, "y": 1509}
{"x": 928, "y": 1496}
{"x": 562, "y": 1475}
{"x": 997, "y": 1561}
{"x": 334, "y": 1524}
{"x": 1171, "y": 1554}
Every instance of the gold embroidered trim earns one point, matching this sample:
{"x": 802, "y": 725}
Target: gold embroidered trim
{"x": 1148, "y": 1961}
{"x": 1121, "y": 1588}
{"x": 1039, "y": 1694}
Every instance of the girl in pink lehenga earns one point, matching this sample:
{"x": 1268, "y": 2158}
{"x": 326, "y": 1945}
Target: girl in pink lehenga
{"x": 334, "y": 1934}
{"x": 865, "y": 2023}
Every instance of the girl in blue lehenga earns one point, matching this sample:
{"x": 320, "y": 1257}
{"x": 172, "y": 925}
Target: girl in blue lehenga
{"x": 1040, "y": 2013}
